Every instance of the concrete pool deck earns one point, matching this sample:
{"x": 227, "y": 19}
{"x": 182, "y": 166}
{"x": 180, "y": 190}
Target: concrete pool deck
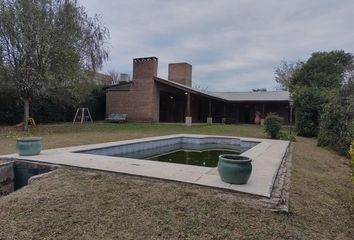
{"x": 267, "y": 156}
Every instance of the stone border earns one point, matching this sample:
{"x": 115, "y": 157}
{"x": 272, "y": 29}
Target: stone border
{"x": 279, "y": 200}
{"x": 170, "y": 143}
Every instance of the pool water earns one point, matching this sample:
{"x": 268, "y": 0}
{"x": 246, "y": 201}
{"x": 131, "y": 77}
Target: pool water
{"x": 24, "y": 172}
{"x": 207, "y": 158}
{"x": 191, "y": 154}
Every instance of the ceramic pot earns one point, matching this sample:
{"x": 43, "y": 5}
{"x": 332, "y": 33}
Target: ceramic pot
{"x": 29, "y": 146}
{"x": 257, "y": 119}
{"x": 234, "y": 169}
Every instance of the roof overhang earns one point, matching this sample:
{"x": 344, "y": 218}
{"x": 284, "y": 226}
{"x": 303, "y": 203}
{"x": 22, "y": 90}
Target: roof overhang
{"x": 187, "y": 89}
{"x": 266, "y": 96}
{"x": 232, "y": 97}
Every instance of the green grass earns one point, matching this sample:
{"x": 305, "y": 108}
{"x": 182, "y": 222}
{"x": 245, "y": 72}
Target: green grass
{"x": 62, "y": 135}
{"x": 77, "y": 204}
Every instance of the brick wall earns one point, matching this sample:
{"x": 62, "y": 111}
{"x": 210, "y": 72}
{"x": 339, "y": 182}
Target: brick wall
{"x": 137, "y": 103}
{"x": 141, "y": 102}
{"x": 180, "y": 73}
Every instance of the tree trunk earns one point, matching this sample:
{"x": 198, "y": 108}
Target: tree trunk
{"x": 26, "y": 114}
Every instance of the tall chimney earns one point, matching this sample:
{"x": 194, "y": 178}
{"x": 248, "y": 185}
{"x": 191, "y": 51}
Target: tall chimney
{"x": 145, "y": 67}
{"x": 180, "y": 73}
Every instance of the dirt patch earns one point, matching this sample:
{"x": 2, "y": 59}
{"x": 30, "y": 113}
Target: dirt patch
{"x": 88, "y": 205}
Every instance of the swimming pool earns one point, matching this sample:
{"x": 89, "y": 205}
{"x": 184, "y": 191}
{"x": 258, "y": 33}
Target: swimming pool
{"x": 267, "y": 156}
{"x": 189, "y": 151}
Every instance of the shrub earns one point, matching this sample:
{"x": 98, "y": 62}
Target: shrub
{"x": 11, "y": 107}
{"x": 46, "y": 109}
{"x": 287, "y": 136}
{"x": 51, "y": 108}
{"x": 351, "y": 153}
{"x": 337, "y": 120}
{"x": 307, "y": 104}
{"x": 272, "y": 125}
{"x": 311, "y": 85}
{"x": 96, "y": 102}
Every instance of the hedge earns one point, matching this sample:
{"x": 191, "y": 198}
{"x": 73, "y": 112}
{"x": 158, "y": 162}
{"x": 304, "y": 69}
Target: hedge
{"x": 49, "y": 109}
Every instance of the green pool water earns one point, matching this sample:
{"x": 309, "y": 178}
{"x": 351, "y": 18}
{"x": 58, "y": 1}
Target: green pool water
{"x": 207, "y": 158}
{"x": 206, "y": 155}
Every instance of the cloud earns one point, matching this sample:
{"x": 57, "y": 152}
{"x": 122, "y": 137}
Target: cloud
{"x": 232, "y": 44}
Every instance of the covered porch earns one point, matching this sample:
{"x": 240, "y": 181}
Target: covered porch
{"x": 181, "y": 104}
{"x": 187, "y": 106}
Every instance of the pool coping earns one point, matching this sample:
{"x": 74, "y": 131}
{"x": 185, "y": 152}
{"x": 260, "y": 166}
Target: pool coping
{"x": 266, "y": 156}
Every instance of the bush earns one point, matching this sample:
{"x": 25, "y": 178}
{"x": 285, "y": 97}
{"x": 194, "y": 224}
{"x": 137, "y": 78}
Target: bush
{"x": 351, "y": 153}
{"x": 337, "y": 120}
{"x": 311, "y": 84}
{"x": 11, "y": 108}
{"x": 272, "y": 125}
{"x": 287, "y": 136}
{"x": 308, "y": 104}
{"x": 52, "y": 107}
{"x": 46, "y": 109}
{"x": 96, "y": 102}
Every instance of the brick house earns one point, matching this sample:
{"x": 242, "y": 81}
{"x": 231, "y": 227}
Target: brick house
{"x": 152, "y": 99}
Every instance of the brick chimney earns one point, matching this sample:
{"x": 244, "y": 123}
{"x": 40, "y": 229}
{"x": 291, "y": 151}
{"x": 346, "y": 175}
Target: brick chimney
{"x": 145, "y": 67}
{"x": 180, "y": 73}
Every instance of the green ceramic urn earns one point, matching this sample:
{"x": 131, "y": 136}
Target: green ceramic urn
{"x": 29, "y": 146}
{"x": 234, "y": 169}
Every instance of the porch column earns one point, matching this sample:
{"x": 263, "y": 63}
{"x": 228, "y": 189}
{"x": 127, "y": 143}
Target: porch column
{"x": 209, "y": 119}
{"x": 223, "y": 120}
{"x": 188, "y": 119}
{"x": 291, "y": 104}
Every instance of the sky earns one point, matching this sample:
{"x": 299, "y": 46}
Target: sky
{"x": 233, "y": 45}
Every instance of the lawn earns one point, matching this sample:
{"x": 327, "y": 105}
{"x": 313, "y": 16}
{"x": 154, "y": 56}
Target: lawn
{"x": 62, "y": 135}
{"x": 78, "y": 204}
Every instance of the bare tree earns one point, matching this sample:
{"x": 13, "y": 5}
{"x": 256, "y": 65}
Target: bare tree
{"x": 200, "y": 88}
{"x": 284, "y": 72}
{"x": 114, "y": 75}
